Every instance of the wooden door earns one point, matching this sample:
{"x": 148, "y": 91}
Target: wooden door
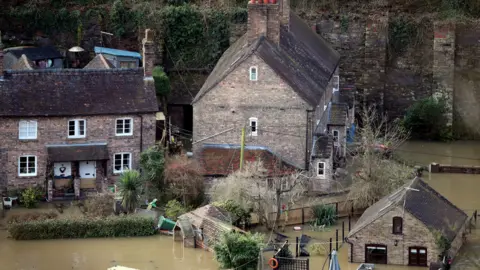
{"x": 417, "y": 256}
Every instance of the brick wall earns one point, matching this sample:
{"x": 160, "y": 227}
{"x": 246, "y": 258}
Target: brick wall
{"x": 281, "y": 113}
{"x": 53, "y": 130}
{"x": 380, "y": 232}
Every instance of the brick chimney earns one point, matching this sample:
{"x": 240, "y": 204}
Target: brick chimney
{"x": 264, "y": 19}
{"x": 148, "y": 53}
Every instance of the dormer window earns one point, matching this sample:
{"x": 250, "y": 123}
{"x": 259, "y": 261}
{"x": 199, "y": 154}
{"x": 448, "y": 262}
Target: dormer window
{"x": 397, "y": 225}
{"x": 253, "y": 73}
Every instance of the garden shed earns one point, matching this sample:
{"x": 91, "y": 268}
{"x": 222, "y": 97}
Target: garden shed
{"x": 203, "y": 227}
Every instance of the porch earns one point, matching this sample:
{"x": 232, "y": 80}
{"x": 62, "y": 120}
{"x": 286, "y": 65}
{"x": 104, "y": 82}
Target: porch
{"x": 76, "y": 170}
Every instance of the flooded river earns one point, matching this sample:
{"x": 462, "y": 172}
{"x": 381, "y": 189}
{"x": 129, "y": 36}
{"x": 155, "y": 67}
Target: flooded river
{"x": 160, "y": 252}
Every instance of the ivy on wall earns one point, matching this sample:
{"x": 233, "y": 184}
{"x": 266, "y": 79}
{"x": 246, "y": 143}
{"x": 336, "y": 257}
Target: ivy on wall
{"x": 402, "y": 33}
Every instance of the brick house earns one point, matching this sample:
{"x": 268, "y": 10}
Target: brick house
{"x": 278, "y": 81}
{"x": 403, "y": 228}
{"x": 74, "y": 130}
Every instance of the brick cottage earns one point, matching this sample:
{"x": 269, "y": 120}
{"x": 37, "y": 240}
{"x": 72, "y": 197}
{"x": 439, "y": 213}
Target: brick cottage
{"x": 280, "y": 81}
{"x": 405, "y": 227}
{"x": 74, "y": 130}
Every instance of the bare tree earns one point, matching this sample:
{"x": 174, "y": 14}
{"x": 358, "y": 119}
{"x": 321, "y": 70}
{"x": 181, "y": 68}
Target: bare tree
{"x": 377, "y": 174}
{"x": 264, "y": 192}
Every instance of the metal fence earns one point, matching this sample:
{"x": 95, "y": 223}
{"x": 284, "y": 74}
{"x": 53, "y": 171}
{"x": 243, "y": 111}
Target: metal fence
{"x": 292, "y": 263}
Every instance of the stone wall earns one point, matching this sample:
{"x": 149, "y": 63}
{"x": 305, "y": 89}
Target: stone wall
{"x": 53, "y": 130}
{"x": 415, "y": 234}
{"x": 281, "y": 113}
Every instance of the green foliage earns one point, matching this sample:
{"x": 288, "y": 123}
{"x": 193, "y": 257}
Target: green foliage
{"x": 238, "y": 251}
{"x": 162, "y": 83}
{"x": 239, "y": 15}
{"x": 152, "y": 164}
{"x": 174, "y": 209}
{"x": 100, "y": 205}
{"x": 401, "y": 33}
{"x": 426, "y": 119}
{"x": 189, "y": 30}
{"x": 79, "y": 34}
{"x": 239, "y": 215}
{"x": 30, "y": 197}
{"x": 122, "y": 226}
{"x": 324, "y": 215}
{"x": 129, "y": 186}
{"x": 122, "y": 19}
{"x": 344, "y": 23}
{"x": 443, "y": 244}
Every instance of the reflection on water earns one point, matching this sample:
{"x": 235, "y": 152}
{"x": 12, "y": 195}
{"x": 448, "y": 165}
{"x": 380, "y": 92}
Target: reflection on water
{"x": 160, "y": 252}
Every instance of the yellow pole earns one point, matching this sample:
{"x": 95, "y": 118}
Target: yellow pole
{"x": 242, "y": 147}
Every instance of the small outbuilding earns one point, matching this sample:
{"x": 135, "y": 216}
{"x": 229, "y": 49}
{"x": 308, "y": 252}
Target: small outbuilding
{"x": 414, "y": 225}
{"x": 203, "y": 227}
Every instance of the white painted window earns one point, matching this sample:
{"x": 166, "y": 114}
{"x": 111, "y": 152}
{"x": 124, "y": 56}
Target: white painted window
{"x": 336, "y": 83}
{"x": 253, "y": 73}
{"x": 27, "y": 130}
{"x": 321, "y": 169}
{"x": 336, "y": 135}
{"x": 122, "y": 162}
{"x": 253, "y": 126}
{"x": 27, "y": 166}
{"x": 77, "y": 128}
{"x": 124, "y": 127}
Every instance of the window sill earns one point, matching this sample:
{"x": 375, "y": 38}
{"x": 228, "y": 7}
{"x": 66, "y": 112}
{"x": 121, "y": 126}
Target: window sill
{"x": 27, "y": 175}
{"x": 28, "y": 140}
{"x": 76, "y": 138}
{"x": 124, "y": 135}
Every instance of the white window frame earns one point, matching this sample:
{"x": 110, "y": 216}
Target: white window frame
{"x": 29, "y": 124}
{"x": 251, "y": 73}
{"x": 250, "y": 121}
{"x": 336, "y": 138}
{"x": 27, "y": 174}
{"x": 321, "y": 175}
{"x": 123, "y": 127}
{"x": 336, "y": 83}
{"x": 122, "y": 169}
{"x": 77, "y": 128}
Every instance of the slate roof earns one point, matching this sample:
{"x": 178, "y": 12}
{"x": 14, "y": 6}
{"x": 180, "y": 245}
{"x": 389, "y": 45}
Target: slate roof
{"x": 77, "y": 152}
{"x": 323, "y": 146}
{"x": 337, "y": 114}
{"x": 99, "y": 62}
{"x": 426, "y": 204}
{"x": 116, "y": 52}
{"x": 213, "y": 220}
{"x": 223, "y": 159}
{"x": 37, "y": 53}
{"x": 303, "y": 59}
{"x": 70, "y": 92}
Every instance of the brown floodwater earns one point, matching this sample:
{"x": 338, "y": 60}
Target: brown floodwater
{"x": 160, "y": 252}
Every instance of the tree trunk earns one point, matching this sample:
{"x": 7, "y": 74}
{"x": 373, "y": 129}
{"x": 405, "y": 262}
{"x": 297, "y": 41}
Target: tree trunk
{"x": 278, "y": 193}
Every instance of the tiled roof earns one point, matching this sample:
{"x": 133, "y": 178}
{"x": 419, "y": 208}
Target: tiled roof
{"x": 223, "y": 159}
{"x": 37, "y": 53}
{"x": 303, "y": 59}
{"x": 69, "y": 92}
{"x": 337, "y": 115}
{"x": 99, "y": 62}
{"x": 323, "y": 146}
{"x": 426, "y": 204}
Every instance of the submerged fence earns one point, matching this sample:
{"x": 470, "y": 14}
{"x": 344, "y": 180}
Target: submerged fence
{"x": 292, "y": 263}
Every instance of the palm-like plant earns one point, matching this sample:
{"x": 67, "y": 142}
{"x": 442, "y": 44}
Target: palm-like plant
{"x": 129, "y": 185}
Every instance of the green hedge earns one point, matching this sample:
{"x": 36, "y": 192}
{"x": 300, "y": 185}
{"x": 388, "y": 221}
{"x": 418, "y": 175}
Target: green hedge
{"x": 82, "y": 228}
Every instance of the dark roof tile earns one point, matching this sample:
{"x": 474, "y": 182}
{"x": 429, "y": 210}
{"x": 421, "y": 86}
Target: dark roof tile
{"x": 426, "y": 204}
{"x": 38, "y": 53}
{"x": 337, "y": 114}
{"x": 69, "y": 92}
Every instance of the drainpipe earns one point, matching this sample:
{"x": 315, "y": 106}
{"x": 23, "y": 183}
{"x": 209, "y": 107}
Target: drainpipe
{"x": 307, "y": 136}
{"x": 141, "y": 133}
{"x": 351, "y": 249}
